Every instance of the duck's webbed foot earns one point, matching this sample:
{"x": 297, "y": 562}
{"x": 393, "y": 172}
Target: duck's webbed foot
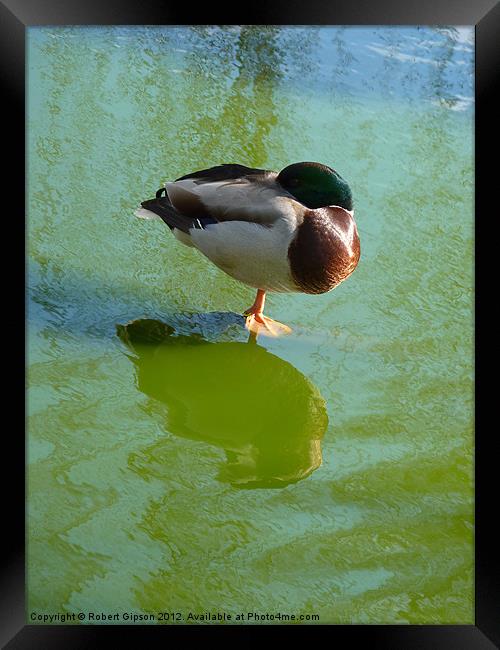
{"x": 260, "y": 324}
{"x": 257, "y": 323}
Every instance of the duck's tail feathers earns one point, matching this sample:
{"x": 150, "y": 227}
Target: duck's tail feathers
{"x": 161, "y": 208}
{"x": 142, "y": 213}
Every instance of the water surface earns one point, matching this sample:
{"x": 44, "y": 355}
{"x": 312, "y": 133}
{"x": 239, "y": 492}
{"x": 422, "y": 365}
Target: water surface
{"x": 174, "y": 465}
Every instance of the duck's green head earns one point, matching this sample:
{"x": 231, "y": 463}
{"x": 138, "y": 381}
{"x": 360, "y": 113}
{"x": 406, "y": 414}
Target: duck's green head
{"x": 315, "y": 185}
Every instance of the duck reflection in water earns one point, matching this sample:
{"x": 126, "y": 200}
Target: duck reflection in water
{"x": 266, "y": 415}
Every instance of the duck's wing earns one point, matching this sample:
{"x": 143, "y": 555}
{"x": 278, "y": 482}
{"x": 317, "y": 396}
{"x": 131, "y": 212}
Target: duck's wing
{"x": 224, "y": 173}
{"x": 228, "y": 193}
{"x": 224, "y": 193}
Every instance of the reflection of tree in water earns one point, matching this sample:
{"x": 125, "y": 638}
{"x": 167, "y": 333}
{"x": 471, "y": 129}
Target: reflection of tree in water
{"x": 410, "y": 60}
{"x": 341, "y": 83}
{"x": 238, "y": 110}
{"x": 440, "y": 82}
{"x": 392, "y": 40}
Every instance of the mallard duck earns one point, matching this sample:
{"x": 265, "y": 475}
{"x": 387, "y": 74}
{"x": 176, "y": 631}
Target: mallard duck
{"x": 287, "y": 231}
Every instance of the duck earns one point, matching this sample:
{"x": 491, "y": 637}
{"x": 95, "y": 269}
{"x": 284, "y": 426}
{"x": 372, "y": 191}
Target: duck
{"x": 291, "y": 231}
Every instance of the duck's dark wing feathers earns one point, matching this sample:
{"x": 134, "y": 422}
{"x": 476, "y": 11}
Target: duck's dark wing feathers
{"x": 223, "y": 173}
{"x": 190, "y": 213}
{"x": 173, "y": 218}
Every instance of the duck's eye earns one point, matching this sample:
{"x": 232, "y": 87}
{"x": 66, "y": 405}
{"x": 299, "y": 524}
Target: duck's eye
{"x": 293, "y": 182}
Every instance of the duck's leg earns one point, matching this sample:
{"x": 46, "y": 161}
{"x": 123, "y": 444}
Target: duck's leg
{"x": 257, "y": 323}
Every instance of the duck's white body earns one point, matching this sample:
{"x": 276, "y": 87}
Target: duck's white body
{"x": 253, "y": 254}
{"x": 252, "y": 246}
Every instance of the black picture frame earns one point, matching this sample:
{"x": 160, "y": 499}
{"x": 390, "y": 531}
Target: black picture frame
{"x": 15, "y": 17}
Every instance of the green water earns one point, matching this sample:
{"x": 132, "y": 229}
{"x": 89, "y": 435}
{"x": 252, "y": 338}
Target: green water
{"x": 174, "y": 465}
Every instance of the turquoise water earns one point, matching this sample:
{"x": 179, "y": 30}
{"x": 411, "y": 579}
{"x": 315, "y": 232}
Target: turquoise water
{"x": 173, "y": 465}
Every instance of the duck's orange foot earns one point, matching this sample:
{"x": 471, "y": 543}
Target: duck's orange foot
{"x": 259, "y": 324}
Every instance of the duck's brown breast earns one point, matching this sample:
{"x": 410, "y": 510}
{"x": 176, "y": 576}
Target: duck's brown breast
{"x": 325, "y": 250}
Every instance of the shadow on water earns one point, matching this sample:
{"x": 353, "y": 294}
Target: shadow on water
{"x": 266, "y": 415}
